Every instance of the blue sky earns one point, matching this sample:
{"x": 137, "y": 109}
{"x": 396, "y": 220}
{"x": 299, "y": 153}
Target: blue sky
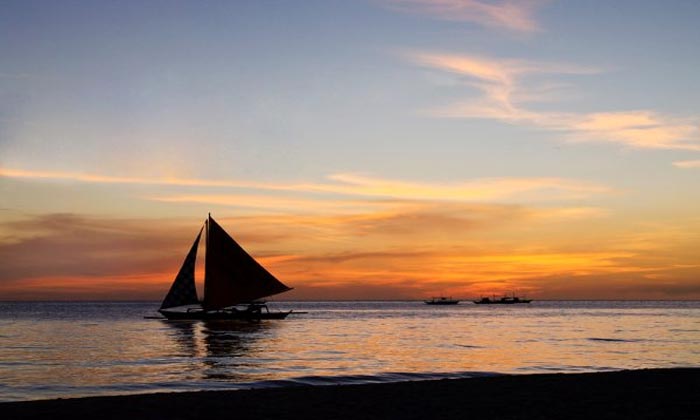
{"x": 277, "y": 89}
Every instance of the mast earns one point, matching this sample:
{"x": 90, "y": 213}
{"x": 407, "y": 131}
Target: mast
{"x": 206, "y": 253}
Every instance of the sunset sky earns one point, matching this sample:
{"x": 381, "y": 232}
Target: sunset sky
{"x": 376, "y": 149}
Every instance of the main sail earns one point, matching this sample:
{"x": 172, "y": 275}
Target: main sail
{"x": 231, "y": 275}
{"x": 183, "y": 290}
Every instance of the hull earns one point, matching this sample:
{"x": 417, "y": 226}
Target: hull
{"x": 502, "y": 302}
{"x": 441, "y": 302}
{"x": 224, "y": 315}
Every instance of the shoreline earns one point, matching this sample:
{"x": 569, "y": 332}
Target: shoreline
{"x": 639, "y": 394}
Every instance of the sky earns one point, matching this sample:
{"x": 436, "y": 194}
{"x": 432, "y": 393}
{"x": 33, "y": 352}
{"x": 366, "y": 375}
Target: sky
{"x": 378, "y": 149}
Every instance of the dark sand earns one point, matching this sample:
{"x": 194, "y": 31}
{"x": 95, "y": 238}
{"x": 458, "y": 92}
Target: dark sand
{"x": 638, "y": 394}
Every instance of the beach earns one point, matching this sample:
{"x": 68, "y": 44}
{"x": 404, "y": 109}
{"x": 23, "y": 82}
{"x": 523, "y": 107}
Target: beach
{"x": 637, "y": 394}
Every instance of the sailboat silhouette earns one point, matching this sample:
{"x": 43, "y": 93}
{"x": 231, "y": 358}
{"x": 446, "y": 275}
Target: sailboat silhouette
{"x": 234, "y": 282}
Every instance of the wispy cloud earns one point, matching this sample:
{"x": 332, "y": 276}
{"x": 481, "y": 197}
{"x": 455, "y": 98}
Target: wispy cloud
{"x": 516, "y": 16}
{"x": 111, "y": 179}
{"x": 642, "y": 129}
{"x": 503, "y": 95}
{"x": 480, "y": 189}
{"x": 687, "y": 164}
{"x": 276, "y": 204}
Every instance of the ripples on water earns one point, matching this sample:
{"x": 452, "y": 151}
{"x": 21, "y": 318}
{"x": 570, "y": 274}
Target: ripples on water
{"x": 77, "y": 349}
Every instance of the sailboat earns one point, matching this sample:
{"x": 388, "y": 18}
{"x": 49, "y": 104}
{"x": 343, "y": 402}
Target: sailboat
{"x": 234, "y": 283}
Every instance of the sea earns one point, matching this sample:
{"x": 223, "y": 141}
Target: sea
{"x": 78, "y": 349}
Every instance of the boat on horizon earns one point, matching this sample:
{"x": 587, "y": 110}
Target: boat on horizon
{"x": 234, "y": 283}
{"x": 442, "y": 300}
{"x": 505, "y": 300}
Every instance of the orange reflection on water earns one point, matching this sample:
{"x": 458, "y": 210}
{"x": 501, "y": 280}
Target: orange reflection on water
{"x": 77, "y": 349}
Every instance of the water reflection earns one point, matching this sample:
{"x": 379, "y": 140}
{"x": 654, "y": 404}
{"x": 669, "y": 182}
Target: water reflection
{"x": 183, "y": 334}
{"x": 226, "y": 349}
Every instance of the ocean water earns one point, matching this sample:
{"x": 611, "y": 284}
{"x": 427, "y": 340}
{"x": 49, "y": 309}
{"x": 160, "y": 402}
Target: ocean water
{"x": 51, "y": 350}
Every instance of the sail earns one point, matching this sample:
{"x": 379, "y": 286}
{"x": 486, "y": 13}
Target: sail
{"x": 231, "y": 275}
{"x": 183, "y": 290}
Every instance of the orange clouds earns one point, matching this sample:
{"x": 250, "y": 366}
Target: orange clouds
{"x": 63, "y": 245}
{"x": 358, "y": 236}
{"x": 411, "y": 252}
{"x": 151, "y": 286}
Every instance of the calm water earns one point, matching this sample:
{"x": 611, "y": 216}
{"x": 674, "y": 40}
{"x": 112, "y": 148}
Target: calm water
{"x": 77, "y": 349}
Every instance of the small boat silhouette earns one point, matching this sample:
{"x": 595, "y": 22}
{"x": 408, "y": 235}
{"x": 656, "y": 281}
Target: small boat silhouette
{"x": 442, "y": 300}
{"x": 505, "y": 300}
